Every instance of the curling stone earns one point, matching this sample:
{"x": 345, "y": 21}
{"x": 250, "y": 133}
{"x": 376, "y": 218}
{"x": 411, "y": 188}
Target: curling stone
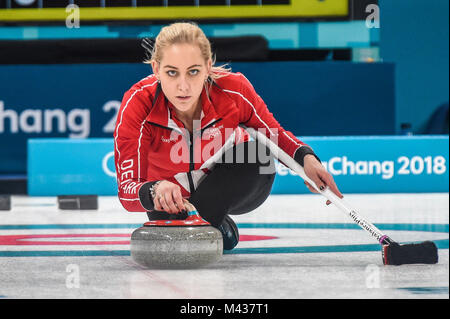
{"x": 177, "y": 244}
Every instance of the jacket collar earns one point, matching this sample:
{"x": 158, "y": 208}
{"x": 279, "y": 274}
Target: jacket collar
{"x": 163, "y": 112}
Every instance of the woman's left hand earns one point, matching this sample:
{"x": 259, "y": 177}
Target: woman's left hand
{"x": 318, "y": 174}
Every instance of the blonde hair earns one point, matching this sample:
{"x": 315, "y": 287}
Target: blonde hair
{"x": 186, "y": 32}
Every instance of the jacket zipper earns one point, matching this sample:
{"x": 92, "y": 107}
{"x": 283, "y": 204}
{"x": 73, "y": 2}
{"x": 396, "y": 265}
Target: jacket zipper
{"x": 191, "y": 164}
{"x": 191, "y": 154}
{"x": 191, "y": 151}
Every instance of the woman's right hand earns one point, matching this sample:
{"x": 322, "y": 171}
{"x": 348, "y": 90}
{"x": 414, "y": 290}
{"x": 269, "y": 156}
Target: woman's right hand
{"x": 168, "y": 198}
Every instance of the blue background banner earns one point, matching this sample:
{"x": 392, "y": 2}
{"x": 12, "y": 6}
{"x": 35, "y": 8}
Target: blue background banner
{"x": 81, "y": 100}
{"x": 364, "y": 164}
{"x": 377, "y": 164}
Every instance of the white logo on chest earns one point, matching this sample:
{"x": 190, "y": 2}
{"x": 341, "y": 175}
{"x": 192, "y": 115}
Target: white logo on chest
{"x": 212, "y": 132}
{"x": 168, "y": 140}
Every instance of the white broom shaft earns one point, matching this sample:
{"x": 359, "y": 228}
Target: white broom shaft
{"x": 297, "y": 168}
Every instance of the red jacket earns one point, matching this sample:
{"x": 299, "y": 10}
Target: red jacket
{"x": 151, "y": 144}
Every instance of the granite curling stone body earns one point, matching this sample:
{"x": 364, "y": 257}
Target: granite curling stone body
{"x": 177, "y": 244}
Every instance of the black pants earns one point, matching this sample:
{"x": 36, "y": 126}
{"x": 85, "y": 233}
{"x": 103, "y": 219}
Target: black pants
{"x": 237, "y": 185}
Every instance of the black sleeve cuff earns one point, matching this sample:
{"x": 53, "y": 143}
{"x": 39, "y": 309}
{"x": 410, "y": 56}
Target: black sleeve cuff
{"x": 301, "y": 152}
{"x": 144, "y": 196}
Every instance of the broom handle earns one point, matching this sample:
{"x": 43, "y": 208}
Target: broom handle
{"x": 339, "y": 202}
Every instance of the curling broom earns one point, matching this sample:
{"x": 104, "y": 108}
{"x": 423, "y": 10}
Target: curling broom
{"x": 393, "y": 253}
